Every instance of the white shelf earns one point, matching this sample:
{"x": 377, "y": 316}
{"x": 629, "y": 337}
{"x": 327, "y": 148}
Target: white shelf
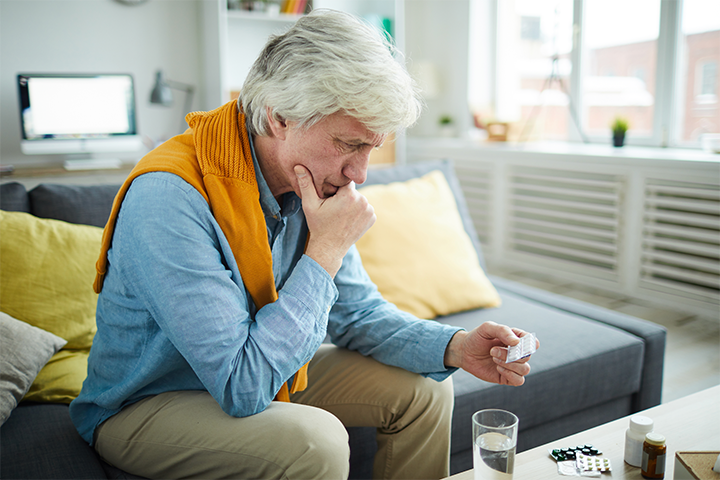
{"x": 262, "y": 16}
{"x": 234, "y": 38}
{"x": 424, "y": 30}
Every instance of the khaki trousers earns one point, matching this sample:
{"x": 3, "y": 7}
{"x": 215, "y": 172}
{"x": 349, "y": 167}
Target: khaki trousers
{"x": 187, "y": 435}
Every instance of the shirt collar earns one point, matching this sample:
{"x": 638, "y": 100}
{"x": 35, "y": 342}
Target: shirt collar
{"x": 270, "y": 206}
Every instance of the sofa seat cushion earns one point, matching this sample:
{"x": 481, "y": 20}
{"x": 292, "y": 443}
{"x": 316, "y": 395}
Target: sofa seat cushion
{"x": 579, "y": 371}
{"x": 40, "y": 441}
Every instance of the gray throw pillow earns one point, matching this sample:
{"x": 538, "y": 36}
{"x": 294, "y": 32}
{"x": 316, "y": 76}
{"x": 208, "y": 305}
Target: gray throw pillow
{"x": 24, "y": 351}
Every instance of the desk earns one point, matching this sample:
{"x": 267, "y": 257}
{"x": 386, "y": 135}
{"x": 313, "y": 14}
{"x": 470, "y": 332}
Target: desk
{"x": 689, "y": 423}
{"x": 32, "y": 177}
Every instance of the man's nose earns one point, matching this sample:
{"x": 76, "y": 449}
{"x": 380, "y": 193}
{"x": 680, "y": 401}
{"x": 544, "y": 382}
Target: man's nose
{"x": 356, "y": 168}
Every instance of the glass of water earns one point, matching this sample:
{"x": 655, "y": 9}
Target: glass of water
{"x": 494, "y": 440}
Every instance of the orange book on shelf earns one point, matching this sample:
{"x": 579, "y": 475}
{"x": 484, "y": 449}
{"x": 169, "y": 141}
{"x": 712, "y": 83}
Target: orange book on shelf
{"x": 289, "y": 6}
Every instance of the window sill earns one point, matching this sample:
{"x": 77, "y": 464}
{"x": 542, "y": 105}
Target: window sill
{"x": 569, "y": 149}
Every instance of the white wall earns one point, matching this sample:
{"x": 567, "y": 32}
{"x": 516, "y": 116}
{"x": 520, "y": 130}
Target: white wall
{"x": 104, "y": 36}
{"x": 457, "y": 37}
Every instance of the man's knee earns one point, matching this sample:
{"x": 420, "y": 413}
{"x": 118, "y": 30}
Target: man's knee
{"x": 324, "y": 449}
{"x": 429, "y": 394}
{"x": 439, "y": 398}
{"x": 424, "y": 400}
{"x": 443, "y": 391}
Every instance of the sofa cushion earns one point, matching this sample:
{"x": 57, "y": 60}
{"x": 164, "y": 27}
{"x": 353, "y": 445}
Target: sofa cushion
{"x": 40, "y": 441}
{"x": 653, "y": 335}
{"x": 24, "y": 350}
{"x": 46, "y": 280}
{"x": 575, "y": 368}
{"x": 86, "y": 205}
{"x": 14, "y": 198}
{"x": 62, "y": 378}
{"x": 417, "y": 252}
{"x": 401, "y": 173}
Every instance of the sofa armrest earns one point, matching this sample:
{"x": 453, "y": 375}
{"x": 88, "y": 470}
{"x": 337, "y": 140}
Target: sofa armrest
{"x": 652, "y": 334}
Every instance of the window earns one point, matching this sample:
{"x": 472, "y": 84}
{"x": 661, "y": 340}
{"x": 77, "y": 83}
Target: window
{"x": 700, "y": 50}
{"x": 534, "y": 66}
{"x": 530, "y": 28}
{"x": 708, "y": 79}
{"x": 618, "y": 50}
{"x": 566, "y": 68}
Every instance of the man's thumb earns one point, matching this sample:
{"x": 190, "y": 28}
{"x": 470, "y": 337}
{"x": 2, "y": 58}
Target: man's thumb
{"x": 304, "y": 181}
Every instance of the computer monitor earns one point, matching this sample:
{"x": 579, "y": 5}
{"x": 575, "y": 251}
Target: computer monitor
{"x": 77, "y": 114}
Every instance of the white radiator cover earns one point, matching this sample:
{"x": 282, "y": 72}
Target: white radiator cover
{"x": 572, "y": 217}
{"x": 644, "y": 225}
{"x": 681, "y": 238}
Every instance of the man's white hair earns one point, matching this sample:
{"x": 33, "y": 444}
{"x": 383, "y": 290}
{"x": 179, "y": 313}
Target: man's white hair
{"x": 330, "y": 62}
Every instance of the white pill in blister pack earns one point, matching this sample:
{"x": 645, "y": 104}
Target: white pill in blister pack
{"x": 525, "y": 348}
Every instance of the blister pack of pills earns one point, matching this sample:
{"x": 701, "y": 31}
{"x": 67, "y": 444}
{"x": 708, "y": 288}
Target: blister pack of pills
{"x": 571, "y": 453}
{"x": 586, "y": 463}
{"x": 525, "y": 348}
{"x": 580, "y": 461}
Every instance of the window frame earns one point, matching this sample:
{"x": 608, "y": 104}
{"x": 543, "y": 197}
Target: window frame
{"x": 701, "y": 97}
{"x": 669, "y": 97}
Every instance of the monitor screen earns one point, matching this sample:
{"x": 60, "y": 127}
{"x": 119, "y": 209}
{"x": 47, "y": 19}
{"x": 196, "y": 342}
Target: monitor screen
{"x": 77, "y": 113}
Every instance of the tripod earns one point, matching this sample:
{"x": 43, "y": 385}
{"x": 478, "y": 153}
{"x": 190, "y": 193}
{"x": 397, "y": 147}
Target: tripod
{"x": 553, "y": 77}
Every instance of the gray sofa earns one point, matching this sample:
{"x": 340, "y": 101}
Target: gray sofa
{"x": 594, "y": 365}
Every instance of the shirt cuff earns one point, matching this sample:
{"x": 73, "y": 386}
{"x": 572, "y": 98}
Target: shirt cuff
{"x": 313, "y": 286}
{"x": 443, "y": 340}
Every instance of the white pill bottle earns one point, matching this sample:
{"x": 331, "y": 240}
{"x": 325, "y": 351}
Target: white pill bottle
{"x": 634, "y": 438}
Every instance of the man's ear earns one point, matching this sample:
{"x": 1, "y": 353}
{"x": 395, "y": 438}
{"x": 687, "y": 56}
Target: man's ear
{"x": 278, "y": 126}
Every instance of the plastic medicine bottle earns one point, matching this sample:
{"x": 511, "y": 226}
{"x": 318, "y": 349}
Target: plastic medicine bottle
{"x": 634, "y": 438}
{"x": 653, "y": 457}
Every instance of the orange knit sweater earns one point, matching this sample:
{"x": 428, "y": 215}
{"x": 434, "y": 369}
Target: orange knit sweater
{"x": 214, "y": 156}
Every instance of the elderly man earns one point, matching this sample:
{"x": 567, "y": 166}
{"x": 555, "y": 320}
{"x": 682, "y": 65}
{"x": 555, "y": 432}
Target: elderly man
{"x": 229, "y": 257}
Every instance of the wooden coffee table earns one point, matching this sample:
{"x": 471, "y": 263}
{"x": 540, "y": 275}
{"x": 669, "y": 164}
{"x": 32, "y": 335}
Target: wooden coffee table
{"x": 690, "y": 423}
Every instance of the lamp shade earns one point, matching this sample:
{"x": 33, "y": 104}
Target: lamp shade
{"x": 161, "y": 93}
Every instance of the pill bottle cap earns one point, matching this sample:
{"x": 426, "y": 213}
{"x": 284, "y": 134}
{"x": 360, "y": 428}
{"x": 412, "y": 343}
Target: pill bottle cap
{"x": 655, "y": 439}
{"x": 641, "y": 424}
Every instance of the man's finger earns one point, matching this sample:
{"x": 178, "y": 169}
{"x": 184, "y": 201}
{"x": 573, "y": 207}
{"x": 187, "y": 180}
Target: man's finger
{"x": 307, "y": 189}
{"x": 505, "y": 334}
{"x": 508, "y": 377}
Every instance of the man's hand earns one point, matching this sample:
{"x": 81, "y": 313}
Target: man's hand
{"x": 335, "y": 223}
{"x": 482, "y": 352}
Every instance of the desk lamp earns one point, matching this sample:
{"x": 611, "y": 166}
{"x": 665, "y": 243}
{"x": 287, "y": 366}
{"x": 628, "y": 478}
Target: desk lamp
{"x": 162, "y": 94}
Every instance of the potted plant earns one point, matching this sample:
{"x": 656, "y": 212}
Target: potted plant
{"x": 446, "y": 126}
{"x": 619, "y": 127}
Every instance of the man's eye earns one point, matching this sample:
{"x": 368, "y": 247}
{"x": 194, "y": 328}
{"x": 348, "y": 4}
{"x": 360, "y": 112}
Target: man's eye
{"x": 353, "y": 147}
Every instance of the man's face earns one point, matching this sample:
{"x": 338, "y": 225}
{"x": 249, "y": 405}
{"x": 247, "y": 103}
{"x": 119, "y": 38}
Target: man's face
{"x": 336, "y": 151}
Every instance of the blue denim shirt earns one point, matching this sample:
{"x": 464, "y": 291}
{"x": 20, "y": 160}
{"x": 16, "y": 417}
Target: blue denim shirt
{"x": 174, "y": 313}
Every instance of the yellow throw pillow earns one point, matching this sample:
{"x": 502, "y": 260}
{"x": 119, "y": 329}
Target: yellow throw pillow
{"x": 418, "y": 253}
{"x": 61, "y": 379}
{"x": 46, "y": 276}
